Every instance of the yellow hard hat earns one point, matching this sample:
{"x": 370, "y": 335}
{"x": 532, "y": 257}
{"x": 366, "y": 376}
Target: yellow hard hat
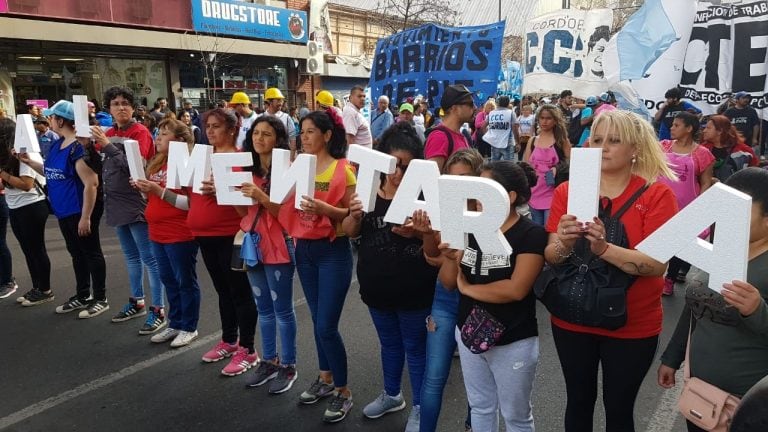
{"x": 240, "y": 98}
{"x": 324, "y": 98}
{"x": 273, "y": 93}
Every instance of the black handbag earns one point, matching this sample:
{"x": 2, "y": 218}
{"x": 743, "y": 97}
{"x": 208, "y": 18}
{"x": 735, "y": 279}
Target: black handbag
{"x": 585, "y": 289}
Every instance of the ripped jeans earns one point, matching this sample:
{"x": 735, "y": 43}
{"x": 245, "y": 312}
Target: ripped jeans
{"x": 272, "y": 286}
{"x": 441, "y": 343}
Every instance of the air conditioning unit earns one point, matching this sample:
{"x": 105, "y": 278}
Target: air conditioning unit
{"x": 315, "y": 61}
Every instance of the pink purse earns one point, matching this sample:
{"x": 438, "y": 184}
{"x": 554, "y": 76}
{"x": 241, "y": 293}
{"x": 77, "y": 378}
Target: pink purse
{"x": 703, "y": 404}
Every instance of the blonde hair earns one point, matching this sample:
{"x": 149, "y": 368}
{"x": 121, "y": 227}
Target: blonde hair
{"x": 467, "y": 156}
{"x": 179, "y": 130}
{"x": 650, "y": 161}
{"x": 489, "y": 104}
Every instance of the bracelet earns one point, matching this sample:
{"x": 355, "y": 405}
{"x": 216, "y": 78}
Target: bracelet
{"x": 560, "y": 249}
{"x": 607, "y": 245}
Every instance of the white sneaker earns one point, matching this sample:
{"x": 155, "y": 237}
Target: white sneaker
{"x": 184, "y": 338}
{"x": 165, "y": 335}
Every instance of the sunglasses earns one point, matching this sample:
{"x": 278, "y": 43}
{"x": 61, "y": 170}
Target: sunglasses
{"x": 470, "y": 104}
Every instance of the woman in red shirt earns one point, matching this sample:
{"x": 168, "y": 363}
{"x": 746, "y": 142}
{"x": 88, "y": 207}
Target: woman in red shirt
{"x": 173, "y": 245}
{"x": 632, "y": 159}
{"x": 214, "y": 227}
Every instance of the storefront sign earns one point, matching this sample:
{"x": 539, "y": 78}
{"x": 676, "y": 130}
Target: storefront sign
{"x": 40, "y": 103}
{"x": 249, "y": 20}
{"x": 564, "y": 50}
{"x": 426, "y": 59}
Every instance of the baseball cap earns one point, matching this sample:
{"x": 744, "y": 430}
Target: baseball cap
{"x": 406, "y": 107}
{"x": 91, "y": 105}
{"x": 741, "y": 94}
{"x": 454, "y": 94}
{"x": 591, "y": 101}
{"x": 63, "y": 109}
{"x": 605, "y": 97}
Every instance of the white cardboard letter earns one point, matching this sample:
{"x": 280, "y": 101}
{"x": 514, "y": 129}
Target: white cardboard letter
{"x": 288, "y": 177}
{"x": 135, "y": 161}
{"x": 584, "y": 183}
{"x": 726, "y": 259}
{"x": 226, "y": 180}
{"x": 185, "y": 169}
{"x": 484, "y": 225}
{"x": 26, "y": 138}
{"x": 421, "y": 177}
{"x": 82, "y": 125}
{"x": 371, "y": 163}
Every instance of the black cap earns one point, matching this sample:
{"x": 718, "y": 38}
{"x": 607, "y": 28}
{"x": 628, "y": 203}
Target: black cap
{"x": 453, "y": 95}
{"x": 40, "y": 119}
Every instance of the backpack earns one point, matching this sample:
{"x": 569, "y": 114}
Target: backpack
{"x": 584, "y": 289}
{"x": 575, "y": 129}
{"x": 93, "y": 159}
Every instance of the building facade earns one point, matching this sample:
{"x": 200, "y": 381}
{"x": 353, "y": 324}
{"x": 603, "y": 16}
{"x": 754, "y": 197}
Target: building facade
{"x": 198, "y": 50}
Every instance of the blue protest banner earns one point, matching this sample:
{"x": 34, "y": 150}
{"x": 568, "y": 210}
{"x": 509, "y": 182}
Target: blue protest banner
{"x": 425, "y": 60}
{"x": 249, "y": 20}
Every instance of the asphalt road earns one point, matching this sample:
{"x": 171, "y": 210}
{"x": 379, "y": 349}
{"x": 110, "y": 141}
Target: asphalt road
{"x": 58, "y": 373}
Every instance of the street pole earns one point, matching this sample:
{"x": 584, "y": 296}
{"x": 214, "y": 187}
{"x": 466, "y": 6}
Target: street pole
{"x": 499, "y": 10}
{"x": 566, "y": 4}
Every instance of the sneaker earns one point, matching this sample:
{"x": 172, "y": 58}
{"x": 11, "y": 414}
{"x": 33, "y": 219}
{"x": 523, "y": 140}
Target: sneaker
{"x": 165, "y": 335}
{"x": 414, "y": 418}
{"x": 241, "y": 362}
{"x": 131, "y": 310}
{"x": 184, "y": 338}
{"x": 221, "y": 351}
{"x": 384, "y": 404}
{"x": 264, "y": 372}
{"x": 155, "y": 321}
{"x": 94, "y": 309}
{"x": 316, "y": 391}
{"x": 74, "y": 303}
{"x": 284, "y": 380}
{"x": 24, "y": 297}
{"x": 36, "y": 297}
{"x": 338, "y": 407}
{"x": 8, "y": 289}
{"x": 669, "y": 287}
{"x": 680, "y": 278}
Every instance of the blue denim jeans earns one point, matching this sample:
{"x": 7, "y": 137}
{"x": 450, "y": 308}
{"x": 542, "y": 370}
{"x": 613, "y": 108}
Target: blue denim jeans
{"x": 539, "y": 216}
{"x": 325, "y": 271}
{"x": 402, "y": 335}
{"x": 272, "y": 286}
{"x": 441, "y": 343}
{"x": 6, "y": 261}
{"x": 176, "y": 264}
{"x": 134, "y": 240}
{"x": 507, "y": 153}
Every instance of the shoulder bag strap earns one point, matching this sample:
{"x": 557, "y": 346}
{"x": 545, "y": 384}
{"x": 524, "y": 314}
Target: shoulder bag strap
{"x": 450, "y": 139}
{"x": 630, "y": 201}
{"x": 686, "y": 366}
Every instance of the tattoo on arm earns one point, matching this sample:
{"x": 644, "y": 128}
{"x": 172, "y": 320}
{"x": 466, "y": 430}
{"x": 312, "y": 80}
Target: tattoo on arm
{"x": 640, "y": 269}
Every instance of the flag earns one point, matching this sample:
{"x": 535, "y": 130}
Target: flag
{"x": 643, "y": 39}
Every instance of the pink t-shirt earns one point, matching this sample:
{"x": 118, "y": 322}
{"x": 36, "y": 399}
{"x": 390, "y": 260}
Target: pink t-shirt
{"x": 688, "y": 168}
{"x": 542, "y": 160}
{"x": 603, "y": 108}
{"x": 438, "y": 145}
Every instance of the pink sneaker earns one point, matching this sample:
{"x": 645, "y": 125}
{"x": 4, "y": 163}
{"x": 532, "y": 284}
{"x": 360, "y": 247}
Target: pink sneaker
{"x": 221, "y": 351}
{"x": 241, "y": 362}
{"x": 669, "y": 287}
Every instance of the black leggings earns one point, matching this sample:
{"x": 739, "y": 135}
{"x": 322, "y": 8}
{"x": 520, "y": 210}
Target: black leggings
{"x": 87, "y": 258}
{"x": 625, "y": 363}
{"x": 236, "y": 306}
{"x": 28, "y": 225}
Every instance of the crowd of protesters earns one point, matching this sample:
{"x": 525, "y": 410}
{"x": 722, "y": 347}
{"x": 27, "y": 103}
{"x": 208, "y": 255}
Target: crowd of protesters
{"x": 426, "y": 300}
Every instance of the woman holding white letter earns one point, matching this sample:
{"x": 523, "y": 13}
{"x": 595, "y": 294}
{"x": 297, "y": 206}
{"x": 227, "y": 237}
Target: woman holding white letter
{"x": 729, "y": 348}
{"x": 631, "y": 161}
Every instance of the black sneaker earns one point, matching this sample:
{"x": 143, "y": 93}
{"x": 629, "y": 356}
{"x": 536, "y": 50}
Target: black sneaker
{"x": 318, "y": 390}
{"x": 284, "y": 380}
{"x": 131, "y": 310}
{"x": 155, "y": 321}
{"x": 24, "y": 297}
{"x": 338, "y": 408}
{"x": 7, "y": 289}
{"x": 36, "y": 297}
{"x": 74, "y": 303}
{"x": 265, "y": 371}
{"x": 94, "y": 309}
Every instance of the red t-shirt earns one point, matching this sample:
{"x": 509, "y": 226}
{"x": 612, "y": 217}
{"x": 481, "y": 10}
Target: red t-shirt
{"x": 136, "y": 131}
{"x": 206, "y": 218}
{"x": 438, "y": 145}
{"x": 651, "y": 210}
{"x": 167, "y": 224}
